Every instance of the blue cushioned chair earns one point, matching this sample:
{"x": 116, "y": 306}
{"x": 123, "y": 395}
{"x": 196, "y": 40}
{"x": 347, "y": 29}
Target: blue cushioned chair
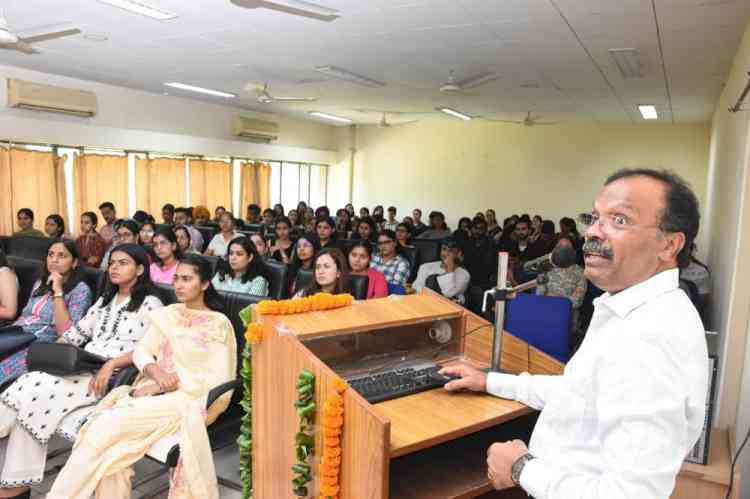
{"x": 542, "y": 322}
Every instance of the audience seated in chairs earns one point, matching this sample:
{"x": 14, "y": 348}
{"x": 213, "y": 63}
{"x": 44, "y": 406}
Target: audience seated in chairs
{"x": 438, "y": 228}
{"x": 58, "y": 300}
{"x": 167, "y": 254}
{"x": 91, "y": 245}
{"x": 283, "y": 246}
{"x": 480, "y": 255}
{"x": 325, "y": 228}
{"x": 366, "y": 230}
{"x": 446, "y": 276}
{"x": 201, "y": 215}
{"x": 54, "y": 227}
{"x": 261, "y": 245}
{"x": 569, "y": 283}
{"x": 25, "y": 218}
{"x": 8, "y": 292}
{"x": 331, "y": 274}
{"x": 242, "y": 271}
{"x": 182, "y": 234}
{"x": 169, "y": 398}
{"x": 305, "y": 249}
{"x": 146, "y": 233}
{"x": 109, "y": 214}
{"x": 34, "y": 406}
{"x": 343, "y": 221}
{"x": 218, "y": 245}
{"x": 393, "y": 266}
{"x": 126, "y": 232}
{"x": 403, "y": 235}
{"x": 360, "y": 255}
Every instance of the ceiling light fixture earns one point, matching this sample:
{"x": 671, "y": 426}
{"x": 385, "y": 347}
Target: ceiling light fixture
{"x": 193, "y": 88}
{"x": 343, "y": 74}
{"x": 454, "y": 113}
{"x": 141, "y": 8}
{"x": 331, "y": 117}
{"x": 648, "y": 112}
{"x": 628, "y": 62}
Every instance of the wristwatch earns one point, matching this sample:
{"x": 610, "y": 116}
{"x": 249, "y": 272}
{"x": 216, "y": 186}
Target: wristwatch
{"x": 58, "y": 295}
{"x": 517, "y": 468}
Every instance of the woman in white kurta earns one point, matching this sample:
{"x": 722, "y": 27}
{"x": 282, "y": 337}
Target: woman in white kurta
{"x": 34, "y": 406}
{"x": 188, "y": 349}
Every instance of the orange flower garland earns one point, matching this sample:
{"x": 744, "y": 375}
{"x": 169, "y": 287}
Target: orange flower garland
{"x": 254, "y": 333}
{"x": 333, "y": 423}
{"x": 317, "y": 302}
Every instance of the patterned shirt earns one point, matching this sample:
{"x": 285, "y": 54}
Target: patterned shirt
{"x": 396, "y": 270}
{"x": 257, "y": 286}
{"x": 568, "y": 282}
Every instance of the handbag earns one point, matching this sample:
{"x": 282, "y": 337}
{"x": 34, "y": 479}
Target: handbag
{"x": 62, "y": 359}
{"x": 13, "y": 339}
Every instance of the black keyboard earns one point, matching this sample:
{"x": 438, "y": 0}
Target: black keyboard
{"x": 387, "y": 385}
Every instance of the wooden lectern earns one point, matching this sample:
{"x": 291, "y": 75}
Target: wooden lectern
{"x": 426, "y": 445}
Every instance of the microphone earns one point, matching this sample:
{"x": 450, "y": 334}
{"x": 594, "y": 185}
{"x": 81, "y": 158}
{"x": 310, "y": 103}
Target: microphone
{"x": 560, "y": 258}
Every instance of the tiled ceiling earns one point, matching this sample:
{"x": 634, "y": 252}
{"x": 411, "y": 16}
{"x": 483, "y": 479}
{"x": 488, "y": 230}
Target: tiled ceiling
{"x": 551, "y": 55}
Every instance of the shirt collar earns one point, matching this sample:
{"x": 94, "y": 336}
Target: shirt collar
{"x": 633, "y": 297}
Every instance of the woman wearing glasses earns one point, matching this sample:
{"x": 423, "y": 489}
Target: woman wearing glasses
{"x": 167, "y": 253}
{"x": 394, "y": 267}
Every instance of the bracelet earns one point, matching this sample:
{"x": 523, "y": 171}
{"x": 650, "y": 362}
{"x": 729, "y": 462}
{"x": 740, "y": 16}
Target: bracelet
{"x": 58, "y": 295}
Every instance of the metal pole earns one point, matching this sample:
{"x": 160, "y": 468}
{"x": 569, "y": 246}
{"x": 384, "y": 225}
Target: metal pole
{"x": 497, "y": 339}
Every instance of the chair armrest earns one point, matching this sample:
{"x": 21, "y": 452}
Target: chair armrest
{"x": 125, "y": 376}
{"x": 220, "y": 390}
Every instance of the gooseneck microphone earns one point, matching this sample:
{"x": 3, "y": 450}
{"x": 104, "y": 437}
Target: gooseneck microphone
{"x": 560, "y": 258}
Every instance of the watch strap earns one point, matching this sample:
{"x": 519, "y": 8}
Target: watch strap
{"x": 517, "y": 468}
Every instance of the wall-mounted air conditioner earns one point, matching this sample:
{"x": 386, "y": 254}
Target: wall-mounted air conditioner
{"x": 41, "y": 97}
{"x": 255, "y": 130}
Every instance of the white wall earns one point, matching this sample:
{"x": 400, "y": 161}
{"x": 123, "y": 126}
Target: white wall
{"x": 134, "y": 119}
{"x": 461, "y": 168}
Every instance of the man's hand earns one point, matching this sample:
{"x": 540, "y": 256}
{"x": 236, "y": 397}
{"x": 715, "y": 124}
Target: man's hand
{"x": 98, "y": 384}
{"x": 500, "y": 459}
{"x": 471, "y": 379}
{"x": 167, "y": 381}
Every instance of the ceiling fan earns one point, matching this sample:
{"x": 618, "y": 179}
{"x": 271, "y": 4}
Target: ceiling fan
{"x": 453, "y": 86}
{"x": 529, "y": 120}
{"x": 262, "y": 95}
{"x": 294, "y": 7}
{"x": 384, "y": 123}
{"x": 22, "y": 40}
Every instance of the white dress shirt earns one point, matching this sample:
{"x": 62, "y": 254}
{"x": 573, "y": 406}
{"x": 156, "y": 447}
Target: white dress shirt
{"x": 630, "y": 404}
{"x": 219, "y": 245}
{"x": 452, "y": 284}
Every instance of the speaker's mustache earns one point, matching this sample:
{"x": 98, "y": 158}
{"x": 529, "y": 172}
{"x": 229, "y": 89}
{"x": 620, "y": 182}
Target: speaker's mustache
{"x": 596, "y": 247}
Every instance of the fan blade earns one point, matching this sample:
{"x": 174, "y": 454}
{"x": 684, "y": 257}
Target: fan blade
{"x": 504, "y": 121}
{"x": 294, "y": 7}
{"x": 49, "y": 32}
{"x": 546, "y": 123}
{"x": 477, "y": 80}
{"x": 295, "y": 99}
{"x": 402, "y": 123}
{"x": 20, "y": 46}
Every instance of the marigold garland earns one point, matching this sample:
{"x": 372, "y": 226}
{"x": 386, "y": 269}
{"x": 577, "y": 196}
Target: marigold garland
{"x": 333, "y": 423}
{"x": 254, "y": 333}
{"x": 315, "y": 303}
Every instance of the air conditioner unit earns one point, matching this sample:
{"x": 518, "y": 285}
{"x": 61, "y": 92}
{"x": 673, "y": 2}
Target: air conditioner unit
{"x": 41, "y": 97}
{"x": 255, "y": 130}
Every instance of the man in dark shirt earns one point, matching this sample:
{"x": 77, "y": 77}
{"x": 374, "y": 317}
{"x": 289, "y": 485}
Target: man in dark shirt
{"x": 525, "y": 249}
{"x": 480, "y": 255}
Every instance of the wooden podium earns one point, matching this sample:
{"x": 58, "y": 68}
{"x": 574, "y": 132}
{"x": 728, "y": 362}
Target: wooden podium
{"x": 428, "y": 445}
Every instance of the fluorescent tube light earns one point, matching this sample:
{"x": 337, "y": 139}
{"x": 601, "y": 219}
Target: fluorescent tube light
{"x": 305, "y": 6}
{"x": 648, "y": 112}
{"x": 193, "y": 88}
{"x": 343, "y": 74}
{"x": 331, "y": 117}
{"x": 454, "y": 113}
{"x": 628, "y": 62}
{"x": 141, "y": 8}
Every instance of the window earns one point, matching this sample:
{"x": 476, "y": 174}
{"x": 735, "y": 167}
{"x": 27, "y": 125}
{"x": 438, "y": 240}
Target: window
{"x": 295, "y": 182}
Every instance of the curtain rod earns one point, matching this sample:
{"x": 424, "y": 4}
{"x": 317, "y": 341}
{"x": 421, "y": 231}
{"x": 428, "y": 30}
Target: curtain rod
{"x": 739, "y": 105}
{"x": 11, "y": 143}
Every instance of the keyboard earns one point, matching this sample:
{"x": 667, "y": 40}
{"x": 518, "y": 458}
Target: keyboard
{"x": 399, "y": 382}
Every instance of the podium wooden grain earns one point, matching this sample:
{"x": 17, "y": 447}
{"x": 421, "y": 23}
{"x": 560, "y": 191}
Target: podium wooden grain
{"x": 374, "y": 435}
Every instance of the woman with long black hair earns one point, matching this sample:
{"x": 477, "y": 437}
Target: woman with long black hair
{"x": 188, "y": 349}
{"x": 58, "y": 300}
{"x": 242, "y": 271}
{"x": 34, "y": 406}
{"x": 331, "y": 274}
{"x": 167, "y": 254}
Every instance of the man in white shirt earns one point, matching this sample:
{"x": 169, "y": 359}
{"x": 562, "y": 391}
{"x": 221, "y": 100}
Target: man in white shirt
{"x": 631, "y": 402}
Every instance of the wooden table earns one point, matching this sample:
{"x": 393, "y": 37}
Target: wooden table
{"x": 710, "y": 481}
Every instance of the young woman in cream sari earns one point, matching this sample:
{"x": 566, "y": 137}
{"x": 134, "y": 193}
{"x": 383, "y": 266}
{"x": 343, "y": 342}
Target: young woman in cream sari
{"x": 188, "y": 349}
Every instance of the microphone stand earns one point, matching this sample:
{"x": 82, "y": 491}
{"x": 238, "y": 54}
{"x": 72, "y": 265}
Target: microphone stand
{"x": 501, "y": 294}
